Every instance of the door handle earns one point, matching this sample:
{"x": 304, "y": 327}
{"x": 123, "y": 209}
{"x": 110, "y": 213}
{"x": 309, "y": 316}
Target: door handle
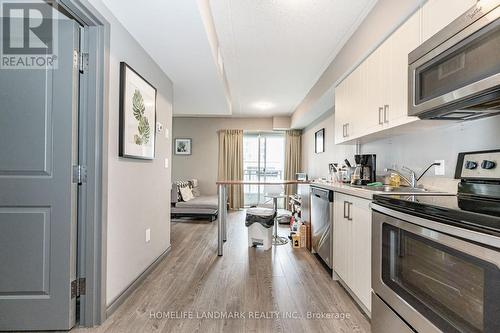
{"x": 386, "y": 111}
{"x": 349, "y": 216}
{"x": 380, "y": 110}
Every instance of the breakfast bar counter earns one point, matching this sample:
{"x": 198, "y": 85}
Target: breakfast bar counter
{"x": 222, "y": 194}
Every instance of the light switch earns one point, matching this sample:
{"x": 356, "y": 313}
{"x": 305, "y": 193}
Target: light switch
{"x": 148, "y": 235}
{"x": 159, "y": 127}
{"x": 166, "y": 163}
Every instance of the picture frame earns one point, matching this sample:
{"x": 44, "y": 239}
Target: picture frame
{"x": 183, "y": 146}
{"x": 137, "y": 109}
{"x": 319, "y": 141}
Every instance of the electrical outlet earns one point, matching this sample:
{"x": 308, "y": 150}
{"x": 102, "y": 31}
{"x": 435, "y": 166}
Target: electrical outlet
{"x": 148, "y": 235}
{"x": 439, "y": 169}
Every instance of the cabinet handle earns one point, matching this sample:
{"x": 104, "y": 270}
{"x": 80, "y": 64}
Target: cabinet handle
{"x": 347, "y": 130}
{"x": 349, "y": 215}
{"x": 386, "y": 111}
{"x": 343, "y": 131}
{"x": 345, "y": 204}
{"x": 380, "y": 110}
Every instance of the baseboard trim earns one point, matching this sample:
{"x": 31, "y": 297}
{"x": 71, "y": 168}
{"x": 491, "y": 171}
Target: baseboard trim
{"x": 120, "y": 299}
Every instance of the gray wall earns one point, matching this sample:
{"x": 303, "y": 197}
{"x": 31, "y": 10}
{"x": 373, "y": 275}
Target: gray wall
{"x": 202, "y": 164}
{"x": 138, "y": 192}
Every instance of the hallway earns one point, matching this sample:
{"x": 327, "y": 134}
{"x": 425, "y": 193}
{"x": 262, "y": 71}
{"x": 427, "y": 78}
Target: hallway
{"x": 192, "y": 283}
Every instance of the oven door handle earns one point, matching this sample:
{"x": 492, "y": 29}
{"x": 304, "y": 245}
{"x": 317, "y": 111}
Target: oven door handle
{"x": 480, "y": 252}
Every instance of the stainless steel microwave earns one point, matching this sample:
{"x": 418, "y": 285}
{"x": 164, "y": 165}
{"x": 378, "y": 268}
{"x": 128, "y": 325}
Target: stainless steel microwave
{"x": 456, "y": 73}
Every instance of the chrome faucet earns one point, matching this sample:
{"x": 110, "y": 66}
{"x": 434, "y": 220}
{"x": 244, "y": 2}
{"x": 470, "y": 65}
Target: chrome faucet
{"x": 412, "y": 181}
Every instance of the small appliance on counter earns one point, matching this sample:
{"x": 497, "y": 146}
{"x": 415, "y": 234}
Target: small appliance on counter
{"x": 340, "y": 174}
{"x": 365, "y": 169}
{"x": 436, "y": 258}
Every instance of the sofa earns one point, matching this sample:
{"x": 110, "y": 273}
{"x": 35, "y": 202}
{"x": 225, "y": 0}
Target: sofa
{"x": 196, "y": 206}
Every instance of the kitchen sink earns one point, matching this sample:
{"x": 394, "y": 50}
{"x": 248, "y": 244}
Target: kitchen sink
{"x": 399, "y": 189}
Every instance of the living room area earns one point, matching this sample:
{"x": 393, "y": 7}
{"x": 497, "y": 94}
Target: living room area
{"x": 263, "y": 149}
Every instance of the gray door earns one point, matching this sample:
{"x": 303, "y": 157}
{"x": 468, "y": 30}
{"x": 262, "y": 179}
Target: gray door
{"x": 38, "y": 147}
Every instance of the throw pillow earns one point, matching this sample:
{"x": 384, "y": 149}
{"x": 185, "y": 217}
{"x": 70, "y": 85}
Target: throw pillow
{"x": 194, "y": 186}
{"x": 196, "y": 191}
{"x": 186, "y": 193}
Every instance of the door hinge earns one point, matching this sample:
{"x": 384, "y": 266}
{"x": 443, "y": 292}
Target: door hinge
{"x": 83, "y": 62}
{"x": 79, "y": 174}
{"x": 78, "y": 287}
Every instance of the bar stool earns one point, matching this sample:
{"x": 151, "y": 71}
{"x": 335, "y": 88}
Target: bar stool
{"x": 277, "y": 239}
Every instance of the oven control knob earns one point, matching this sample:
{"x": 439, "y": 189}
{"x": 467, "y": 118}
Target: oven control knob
{"x": 471, "y": 165}
{"x": 488, "y": 164}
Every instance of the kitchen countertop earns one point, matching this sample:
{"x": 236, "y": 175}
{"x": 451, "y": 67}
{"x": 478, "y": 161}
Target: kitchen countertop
{"x": 365, "y": 193}
{"x": 346, "y": 189}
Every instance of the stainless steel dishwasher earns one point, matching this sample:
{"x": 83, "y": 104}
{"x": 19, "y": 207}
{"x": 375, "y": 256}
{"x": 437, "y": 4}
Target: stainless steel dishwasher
{"x": 322, "y": 223}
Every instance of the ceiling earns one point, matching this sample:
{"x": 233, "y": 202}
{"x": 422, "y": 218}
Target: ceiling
{"x": 274, "y": 51}
{"x": 251, "y": 58}
{"x": 173, "y": 33}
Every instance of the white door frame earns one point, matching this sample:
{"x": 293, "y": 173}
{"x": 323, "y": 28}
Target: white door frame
{"x": 92, "y": 200}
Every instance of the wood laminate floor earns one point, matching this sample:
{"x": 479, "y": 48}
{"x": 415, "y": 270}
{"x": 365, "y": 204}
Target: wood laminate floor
{"x": 263, "y": 291}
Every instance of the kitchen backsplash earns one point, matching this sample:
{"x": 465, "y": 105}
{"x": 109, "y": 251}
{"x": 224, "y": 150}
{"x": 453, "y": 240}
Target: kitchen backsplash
{"x": 415, "y": 151}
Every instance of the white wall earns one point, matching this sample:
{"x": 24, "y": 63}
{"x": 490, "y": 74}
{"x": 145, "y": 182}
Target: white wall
{"x": 203, "y": 162}
{"x": 416, "y": 150}
{"x": 138, "y": 192}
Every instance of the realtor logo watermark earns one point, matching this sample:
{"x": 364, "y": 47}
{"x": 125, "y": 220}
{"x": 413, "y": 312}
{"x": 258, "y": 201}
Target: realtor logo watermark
{"x": 29, "y": 34}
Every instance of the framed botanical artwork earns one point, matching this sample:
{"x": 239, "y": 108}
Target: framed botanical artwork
{"x": 182, "y": 146}
{"x": 319, "y": 141}
{"x": 137, "y": 115}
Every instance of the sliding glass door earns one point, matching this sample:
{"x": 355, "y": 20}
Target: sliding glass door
{"x": 263, "y": 159}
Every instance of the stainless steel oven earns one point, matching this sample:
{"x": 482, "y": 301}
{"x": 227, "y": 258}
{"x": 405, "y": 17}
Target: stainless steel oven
{"x": 456, "y": 73}
{"x": 432, "y": 277}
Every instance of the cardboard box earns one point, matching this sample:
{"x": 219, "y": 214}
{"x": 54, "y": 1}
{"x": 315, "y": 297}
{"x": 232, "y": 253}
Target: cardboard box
{"x": 303, "y": 235}
{"x": 296, "y": 241}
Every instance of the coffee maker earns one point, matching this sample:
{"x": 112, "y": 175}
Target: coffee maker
{"x": 365, "y": 169}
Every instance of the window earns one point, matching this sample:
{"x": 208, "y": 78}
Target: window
{"x": 263, "y": 159}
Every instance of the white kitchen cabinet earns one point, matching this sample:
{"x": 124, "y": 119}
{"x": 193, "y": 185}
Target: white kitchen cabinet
{"x": 400, "y": 43}
{"x": 341, "y": 113}
{"x": 437, "y": 14}
{"x": 352, "y": 245}
{"x": 341, "y": 228}
{"x": 374, "y": 97}
{"x": 361, "y": 249}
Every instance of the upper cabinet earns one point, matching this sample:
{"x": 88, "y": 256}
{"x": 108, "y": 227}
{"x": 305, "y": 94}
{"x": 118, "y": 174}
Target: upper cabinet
{"x": 437, "y": 14}
{"x": 374, "y": 97}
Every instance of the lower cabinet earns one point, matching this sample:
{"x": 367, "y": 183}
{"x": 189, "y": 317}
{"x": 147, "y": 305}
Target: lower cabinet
{"x": 352, "y": 245}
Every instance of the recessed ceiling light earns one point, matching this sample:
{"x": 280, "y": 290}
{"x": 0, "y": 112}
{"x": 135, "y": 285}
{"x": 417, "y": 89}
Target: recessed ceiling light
{"x": 263, "y": 105}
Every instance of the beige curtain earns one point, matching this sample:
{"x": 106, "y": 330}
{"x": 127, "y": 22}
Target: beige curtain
{"x": 231, "y": 164}
{"x": 293, "y": 157}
